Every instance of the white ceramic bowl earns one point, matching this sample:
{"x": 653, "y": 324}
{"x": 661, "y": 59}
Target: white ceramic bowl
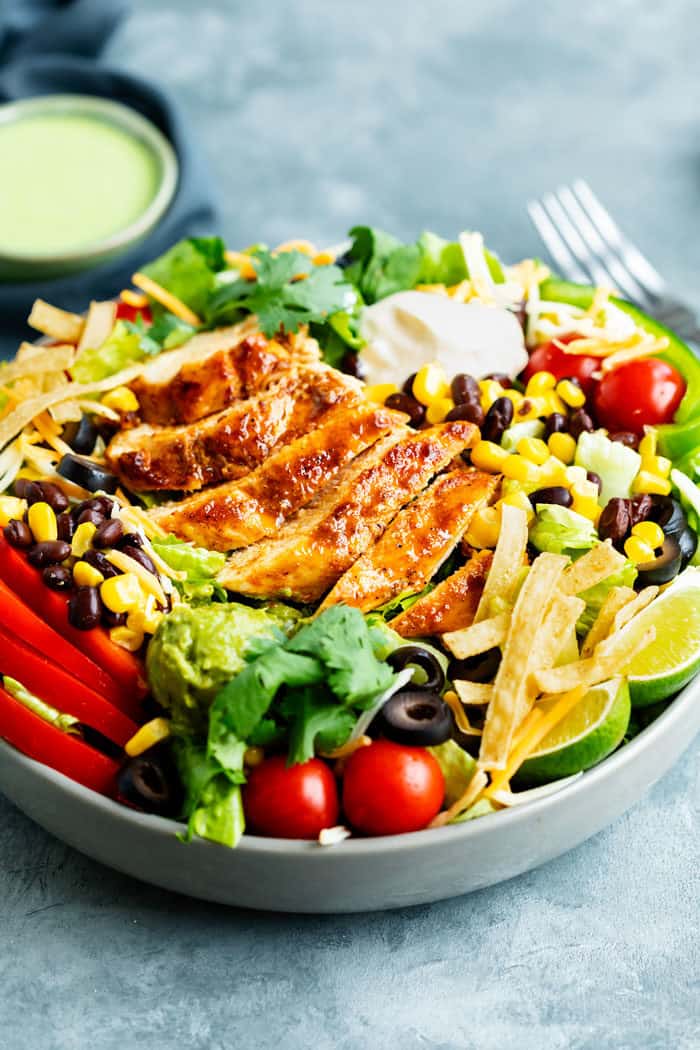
{"x": 359, "y": 874}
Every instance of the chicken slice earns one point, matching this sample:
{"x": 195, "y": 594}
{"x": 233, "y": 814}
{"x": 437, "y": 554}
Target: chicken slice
{"x": 214, "y": 369}
{"x": 416, "y": 543}
{"x": 451, "y": 606}
{"x": 314, "y": 548}
{"x": 239, "y": 513}
{"x": 231, "y": 443}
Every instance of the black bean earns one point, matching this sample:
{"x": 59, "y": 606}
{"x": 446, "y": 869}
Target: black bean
{"x": 108, "y": 534}
{"x": 131, "y": 539}
{"x": 57, "y": 577}
{"x": 21, "y": 487}
{"x": 596, "y": 479}
{"x": 465, "y": 389}
{"x": 51, "y": 494}
{"x": 555, "y": 423}
{"x": 352, "y": 364}
{"x": 407, "y": 387}
{"x": 49, "y": 552}
{"x": 498, "y": 419}
{"x": 614, "y": 521}
{"x": 31, "y": 492}
{"x": 17, "y": 533}
{"x": 99, "y": 562}
{"x": 91, "y": 515}
{"x": 405, "y": 403}
{"x": 66, "y": 526}
{"x": 139, "y": 555}
{"x": 102, "y": 503}
{"x": 580, "y": 423}
{"x": 552, "y": 494}
{"x": 641, "y": 508}
{"x": 84, "y": 608}
{"x": 471, "y": 412}
{"x": 500, "y": 377}
{"x": 111, "y": 619}
{"x": 626, "y": 437}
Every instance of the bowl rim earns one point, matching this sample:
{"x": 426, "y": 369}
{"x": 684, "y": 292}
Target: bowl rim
{"x": 626, "y": 755}
{"x": 130, "y": 121}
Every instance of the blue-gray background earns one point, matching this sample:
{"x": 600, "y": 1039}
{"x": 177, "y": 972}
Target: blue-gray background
{"x": 316, "y": 115}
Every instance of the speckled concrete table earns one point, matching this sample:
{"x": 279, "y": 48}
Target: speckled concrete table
{"x": 315, "y": 116}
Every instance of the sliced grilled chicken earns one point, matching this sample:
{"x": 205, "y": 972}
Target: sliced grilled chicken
{"x": 451, "y": 606}
{"x": 314, "y": 548}
{"x": 416, "y": 543}
{"x": 231, "y": 443}
{"x": 239, "y": 513}
{"x": 214, "y": 369}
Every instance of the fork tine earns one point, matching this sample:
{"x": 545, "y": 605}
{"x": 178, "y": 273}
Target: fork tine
{"x": 575, "y": 242}
{"x": 622, "y": 279}
{"x": 555, "y": 245}
{"x": 637, "y": 264}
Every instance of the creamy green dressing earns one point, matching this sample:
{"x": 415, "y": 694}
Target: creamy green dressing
{"x": 68, "y": 182}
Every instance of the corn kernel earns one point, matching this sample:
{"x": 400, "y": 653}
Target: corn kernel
{"x": 553, "y": 472}
{"x": 650, "y": 533}
{"x": 82, "y": 538}
{"x": 553, "y": 403}
{"x": 563, "y": 446}
{"x": 521, "y": 500}
{"x": 486, "y": 455}
{"x": 647, "y": 446}
{"x": 530, "y": 408}
{"x": 380, "y": 392}
{"x": 484, "y": 528}
{"x": 571, "y": 394}
{"x": 491, "y": 390}
{"x": 519, "y": 469}
{"x": 657, "y": 465}
{"x": 533, "y": 449}
{"x": 42, "y": 522}
{"x": 145, "y": 618}
{"x": 587, "y": 507}
{"x": 86, "y": 575}
{"x": 514, "y": 396}
{"x": 126, "y": 638}
{"x": 645, "y": 482}
{"x": 122, "y": 593}
{"x": 638, "y": 551}
{"x": 11, "y": 507}
{"x": 430, "y": 384}
{"x": 585, "y": 489}
{"x": 540, "y": 383}
{"x": 323, "y": 258}
{"x": 148, "y": 736}
{"x": 121, "y": 399}
{"x": 253, "y": 757}
{"x": 438, "y": 409}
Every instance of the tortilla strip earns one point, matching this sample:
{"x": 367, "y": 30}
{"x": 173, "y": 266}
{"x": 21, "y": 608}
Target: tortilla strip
{"x": 43, "y": 359}
{"x": 592, "y": 568}
{"x": 617, "y": 598}
{"x": 55, "y": 323}
{"x": 479, "y": 638}
{"x": 508, "y": 559}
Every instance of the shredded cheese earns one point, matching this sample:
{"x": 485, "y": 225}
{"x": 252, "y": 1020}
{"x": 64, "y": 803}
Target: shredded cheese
{"x": 149, "y": 582}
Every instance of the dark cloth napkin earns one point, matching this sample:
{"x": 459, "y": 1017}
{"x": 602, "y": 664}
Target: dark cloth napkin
{"x": 53, "y": 47}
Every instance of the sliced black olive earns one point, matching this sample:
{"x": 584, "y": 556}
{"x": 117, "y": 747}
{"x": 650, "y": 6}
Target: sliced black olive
{"x": 416, "y": 718}
{"x": 663, "y": 568}
{"x": 481, "y": 668}
{"x": 417, "y": 656}
{"x": 668, "y": 513}
{"x": 87, "y": 474}
{"x": 688, "y": 543}
{"x": 149, "y": 781}
{"x": 81, "y": 436}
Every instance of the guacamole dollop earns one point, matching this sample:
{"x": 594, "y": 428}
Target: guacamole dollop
{"x": 197, "y": 650}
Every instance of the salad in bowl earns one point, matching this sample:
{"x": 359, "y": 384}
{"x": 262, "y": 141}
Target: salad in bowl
{"x": 317, "y": 544}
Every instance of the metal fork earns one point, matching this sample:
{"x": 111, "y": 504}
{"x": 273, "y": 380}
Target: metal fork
{"x": 587, "y": 246}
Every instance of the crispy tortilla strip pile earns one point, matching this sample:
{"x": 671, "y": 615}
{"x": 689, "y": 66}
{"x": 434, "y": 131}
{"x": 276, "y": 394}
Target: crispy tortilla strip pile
{"x": 313, "y": 549}
{"x": 531, "y": 692}
{"x": 416, "y": 543}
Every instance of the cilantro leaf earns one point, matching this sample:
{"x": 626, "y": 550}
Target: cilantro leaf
{"x": 317, "y": 722}
{"x": 280, "y": 300}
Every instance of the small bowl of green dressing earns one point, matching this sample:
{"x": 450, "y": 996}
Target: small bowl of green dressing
{"x": 82, "y": 179}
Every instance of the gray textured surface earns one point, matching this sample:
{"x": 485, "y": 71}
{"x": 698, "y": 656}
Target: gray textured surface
{"x": 316, "y": 116}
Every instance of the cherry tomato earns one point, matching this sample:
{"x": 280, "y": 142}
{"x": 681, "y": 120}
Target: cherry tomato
{"x": 646, "y": 391}
{"x": 389, "y": 788}
{"x": 551, "y": 358}
{"x": 130, "y": 313}
{"x": 290, "y": 802}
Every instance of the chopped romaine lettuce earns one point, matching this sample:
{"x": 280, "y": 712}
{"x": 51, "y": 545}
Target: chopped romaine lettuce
{"x": 615, "y": 463}
{"x": 188, "y": 270}
{"x": 200, "y": 566}
{"x": 457, "y": 767}
{"x": 595, "y": 596}
{"x": 482, "y": 808}
{"x": 560, "y": 530}
{"x": 442, "y": 261}
{"x": 124, "y": 347}
{"x": 530, "y": 428}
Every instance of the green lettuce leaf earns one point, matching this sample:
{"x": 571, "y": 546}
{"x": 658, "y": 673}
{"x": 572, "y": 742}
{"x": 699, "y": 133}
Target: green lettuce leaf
{"x": 189, "y": 269}
{"x": 125, "y": 346}
{"x": 595, "y": 596}
{"x": 457, "y": 767}
{"x": 615, "y": 463}
{"x": 317, "y": 722}
{"x": 562, "y": 531}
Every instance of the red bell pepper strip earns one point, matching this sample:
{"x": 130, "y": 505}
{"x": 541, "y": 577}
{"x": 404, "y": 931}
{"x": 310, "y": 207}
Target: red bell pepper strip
{"x": 52, "y": 606}
{"x": 21, "y": 621}
{"x": 45, "y": 743}
{"x": 130, "y": 313}
{"x": 55, "y": 686}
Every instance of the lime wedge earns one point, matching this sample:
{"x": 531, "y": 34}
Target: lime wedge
{"x": 672, "y": 659}
{"x": 585, "y": 737}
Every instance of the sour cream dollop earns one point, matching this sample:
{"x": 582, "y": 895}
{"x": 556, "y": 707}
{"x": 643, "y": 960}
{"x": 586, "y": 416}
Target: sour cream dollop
{"x": 410, "y": 329}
